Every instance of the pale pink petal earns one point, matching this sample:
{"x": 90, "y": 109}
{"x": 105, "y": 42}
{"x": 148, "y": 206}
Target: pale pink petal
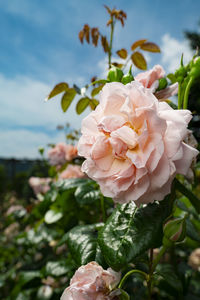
{"x": 167, "y": 92}
{"x": 189, "y": 153}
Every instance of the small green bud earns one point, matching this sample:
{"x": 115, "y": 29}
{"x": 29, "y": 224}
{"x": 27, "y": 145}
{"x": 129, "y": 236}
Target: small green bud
{"x": 41, "y": 150}
{"x": 181, "y": 73}
{"x": 127, "y": 78}
{"x": 195, "y": 70}
{"x": 174, "y": 231}
{"x": 115, "y": 74}
{"x": 162, "y": 84}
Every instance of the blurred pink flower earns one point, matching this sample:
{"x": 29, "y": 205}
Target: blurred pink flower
{"x": 133, "y": 144}
{"x": 14, "y": 208}
{"x": 91, "y": 282}
{"x": 61, "y": 153}
{"x": 40, "y": 185}
{"x": 72, "y": 171}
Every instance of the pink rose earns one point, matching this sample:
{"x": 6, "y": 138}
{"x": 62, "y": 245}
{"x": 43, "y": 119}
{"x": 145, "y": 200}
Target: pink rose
{"x": 150, "y": 80}
{"x": 61, "y": 153}
{"x": 70, "y": 152}
{"x": 133, "y": 144}
{"x": 40, "y": 185}
{"x": 91, "y": 282}
{"x": 72, "y": 171}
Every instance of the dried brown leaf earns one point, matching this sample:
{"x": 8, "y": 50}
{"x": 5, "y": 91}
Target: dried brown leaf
{"x": 139, "y": 60}
{"x": 137, "y": 44}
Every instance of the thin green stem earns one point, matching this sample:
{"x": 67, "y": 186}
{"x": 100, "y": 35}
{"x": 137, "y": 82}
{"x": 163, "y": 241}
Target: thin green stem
{"x": 158, "y": 257}
{"x": 111, "y": 42}
{"x": 193, "y": 199}
{"x": 145, "y": 275}
{"x": 187, "y": 91}
{"x": 179, "y": 96}
{"x": 103, "y": 208}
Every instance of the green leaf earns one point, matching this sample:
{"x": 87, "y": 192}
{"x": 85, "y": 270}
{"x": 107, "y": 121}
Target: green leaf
{"x": 96, "y": 90}
{"x": 130, "y": 231}
{"x": 82, "y": 105}
{"x": 59, "y": 88}
{"x": 186, "y": 192}
{"x": 52, "y": 216}
{"x": 77, "y": 89}
{"x": 82, "y": 243}
{"x": 71, "y": 183}
{"x": 168, "y": 273}
{"x": 86, "y": 193}
{"x": 139, "y": 60}
{"x": 57, "y": 268}
{"x": 191, "y": 231}
{"x": 67, "y": 98}
{"x": 27, "y": 276}
{"x": 150, "y": 47}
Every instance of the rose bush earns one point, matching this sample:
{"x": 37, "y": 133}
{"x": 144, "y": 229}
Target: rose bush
{"x": 61, "y": 153}
{"x": 133, "y": 144}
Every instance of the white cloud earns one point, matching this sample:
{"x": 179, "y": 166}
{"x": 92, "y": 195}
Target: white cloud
{"x": 24, "y": 112}
{"x": 24, "y": 143}
{"x": 172, "y": 50}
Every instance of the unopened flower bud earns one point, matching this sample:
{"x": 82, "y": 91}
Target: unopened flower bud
{"x": 174, "y": 231}
{"x": 127, "y": 77}
{"x": 115, "y": 74}
{"x": 181, "y": 73}
{"x": 162, "y": 84}
{"x": 195, "y": 70}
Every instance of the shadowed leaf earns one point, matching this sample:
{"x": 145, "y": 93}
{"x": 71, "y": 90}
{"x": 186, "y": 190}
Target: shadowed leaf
{"x": 139, "y": 60}
{"x": 93, "y": 103}
{"x": 104, "y": 44}
{"x": 95, "y": 36}
{"x": 151, "y": 47}
{"x": 81, "y": 36}
{"x": 137, "y": 44}
{"x": 122, "y": 53}
{"x": 59, "y": 88}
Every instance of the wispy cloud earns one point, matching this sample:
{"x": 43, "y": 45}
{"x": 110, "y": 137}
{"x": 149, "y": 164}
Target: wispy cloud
{"x": 172, "y": 49}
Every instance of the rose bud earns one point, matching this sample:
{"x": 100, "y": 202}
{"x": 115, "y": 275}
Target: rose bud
{"x": 174, "y": 231}
{"x": 127, "y": 78}
{"x": 195, "y": 70}
{"x": 162, "y": 84}
{"x": 115, "y": 74}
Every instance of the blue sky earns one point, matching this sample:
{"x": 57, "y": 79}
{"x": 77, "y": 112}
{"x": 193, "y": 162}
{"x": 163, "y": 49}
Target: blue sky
{"x": 39, "y": 47}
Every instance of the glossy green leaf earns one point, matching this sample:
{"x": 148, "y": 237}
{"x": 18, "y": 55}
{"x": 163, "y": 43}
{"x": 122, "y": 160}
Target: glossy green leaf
{"x": 130, "y": 231}
{"x": 86, "y": 193}
{"x": 67, "y": 98}
{"x": 139, "y": 60}
{"x": 52, "y": 216}
{"x": 59, "y": 88}
{"x": 82, "y": 243}
{"x": 27, "y": 276}
{"x": 82, "y": 105}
